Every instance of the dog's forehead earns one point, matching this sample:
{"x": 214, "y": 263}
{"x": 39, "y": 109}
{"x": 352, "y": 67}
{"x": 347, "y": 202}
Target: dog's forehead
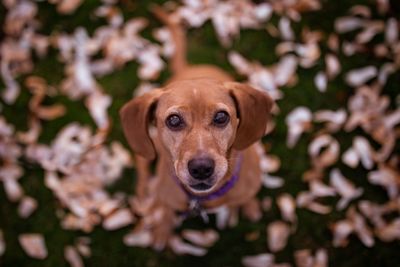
{"x": 196, "y": 93}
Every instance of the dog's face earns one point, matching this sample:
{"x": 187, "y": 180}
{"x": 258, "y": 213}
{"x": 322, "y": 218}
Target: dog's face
{"x": 198, "y": 123}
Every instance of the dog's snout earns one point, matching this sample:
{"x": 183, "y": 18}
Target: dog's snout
{"x": 201, "y": 168}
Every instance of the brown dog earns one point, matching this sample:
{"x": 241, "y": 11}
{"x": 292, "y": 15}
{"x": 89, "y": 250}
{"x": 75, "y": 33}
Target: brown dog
{"x": 205, "y": 127}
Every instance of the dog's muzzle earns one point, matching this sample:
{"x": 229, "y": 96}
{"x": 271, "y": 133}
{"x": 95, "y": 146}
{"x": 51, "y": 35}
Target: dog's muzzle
{"x": 201, "y": 169}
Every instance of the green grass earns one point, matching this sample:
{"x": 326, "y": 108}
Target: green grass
{"x": 107, "y": 247}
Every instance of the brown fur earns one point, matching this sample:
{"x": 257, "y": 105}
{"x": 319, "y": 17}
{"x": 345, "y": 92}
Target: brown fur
{"x": 196, "y": 93}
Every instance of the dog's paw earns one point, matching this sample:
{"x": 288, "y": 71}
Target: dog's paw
{"x": 161, "y": 235}
{"x": 159, "y": 242}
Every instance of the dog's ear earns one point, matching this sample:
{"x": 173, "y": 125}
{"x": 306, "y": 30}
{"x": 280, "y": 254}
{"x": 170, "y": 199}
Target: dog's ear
{"x": 135, "y": 117}
{"x": 253, "y": 108}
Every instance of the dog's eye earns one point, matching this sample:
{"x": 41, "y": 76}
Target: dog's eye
{"x": 221, "y": 118}
{"x": 175, "y": 122}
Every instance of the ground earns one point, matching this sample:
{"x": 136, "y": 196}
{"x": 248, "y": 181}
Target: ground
{"x": 203, "y": 47}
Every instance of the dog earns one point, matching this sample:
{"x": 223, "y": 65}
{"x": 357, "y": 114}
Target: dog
{"x": 202, "y": 129}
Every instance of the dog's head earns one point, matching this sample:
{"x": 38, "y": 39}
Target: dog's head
{"x": 199, "y": 122}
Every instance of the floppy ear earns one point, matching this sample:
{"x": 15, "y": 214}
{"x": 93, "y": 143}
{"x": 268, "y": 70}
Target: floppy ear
{"x": 253, "y": 109}
{"x": 135, "y": 117}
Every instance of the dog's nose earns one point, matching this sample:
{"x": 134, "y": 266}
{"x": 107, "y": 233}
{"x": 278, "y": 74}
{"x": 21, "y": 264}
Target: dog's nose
{"x": 201, "y": 168}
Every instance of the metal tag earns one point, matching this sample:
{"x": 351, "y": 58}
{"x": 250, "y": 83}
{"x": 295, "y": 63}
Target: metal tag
{"x": 197, "y": 210}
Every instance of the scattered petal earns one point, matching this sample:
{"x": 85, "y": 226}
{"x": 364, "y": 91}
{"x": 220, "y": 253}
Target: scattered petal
{"x": 27, "y": 206}
{"x": 138, "y": 239}
{"x": 344, "y": 188}
{"x": 277, "y": 235}
{"x": 180, "y": 247}
{"x": 118, "y": 219}
{"x": 287, "y": 206}
{"x": 33, "y": 245}
{"x": 360, "y": 76}
{"x": 272, "y": 181}
{"x": 298, "y": 121}
{"x": 201, "y": 238}
{"x": 72, "y": 256}
{"x": 260, "y": 260}
{"x": 320, "y": 81}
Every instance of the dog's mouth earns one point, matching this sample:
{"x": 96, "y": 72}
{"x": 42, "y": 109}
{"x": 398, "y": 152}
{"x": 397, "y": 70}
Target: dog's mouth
{"x": 201, "y": 186}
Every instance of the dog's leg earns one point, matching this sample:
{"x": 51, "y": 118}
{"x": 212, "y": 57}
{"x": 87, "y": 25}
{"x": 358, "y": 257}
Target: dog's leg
{"x": 163, "y": 230}
{"x": 143, "y": 175}
{"x": 252, "y": 209}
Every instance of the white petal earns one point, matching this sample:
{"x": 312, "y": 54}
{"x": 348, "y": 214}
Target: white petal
{"x": 260, "y": 260}
{"x": 358, "y": 77}
{"x": 201, "y": 238}
{"x": 27, "y": 206}
{"x": 34, "y": 245}
{"x": 118, "y": 219}
{"x": 72, "y": 256}
{"x": 138, "y": 239}
{"x": 180, "y": 247}
{"x": 320, "y": 81}
{"x": 277, "y": 235}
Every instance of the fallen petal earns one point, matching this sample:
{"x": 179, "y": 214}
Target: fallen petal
{"x": 138, "y": 239}
{"x": 272, "y": 181}
{"x": 320, "y": 81}
{"x": 389, "y": 232}
{"x": 364, "y": 151}
{"x": 27, "y": 206}
{"x": 72, "y": 256}
{"x": 333, "y": 66}
{"x": 392, "y": 31}
{"x": 287, "y": 206}
{"x": 297, "y": 121}
{"x": 351, "y": 158}
{"x": 344, "y": 188}
{"x": 181, "y": 248}
{"x": 360, "y": 76}
{"x": 341, "y": 230}
{"x": 118, "y": 219}
{"x": 205, "y": 238}
{"x": 13, "y": 190}
{"x": 277, "y": 235}
{"x": 33, "y": 245}
{"x": 347, "y": 24}
{"x": 260, "y": 260}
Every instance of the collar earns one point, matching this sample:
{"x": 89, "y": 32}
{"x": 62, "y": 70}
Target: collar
{"x": 221, "y": 191}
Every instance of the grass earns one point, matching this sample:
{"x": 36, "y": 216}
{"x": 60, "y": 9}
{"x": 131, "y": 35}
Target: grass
{"x": 107, "y": 247}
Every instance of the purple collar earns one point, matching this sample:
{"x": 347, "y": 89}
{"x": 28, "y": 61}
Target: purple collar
{"x": 221, "y": 191}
